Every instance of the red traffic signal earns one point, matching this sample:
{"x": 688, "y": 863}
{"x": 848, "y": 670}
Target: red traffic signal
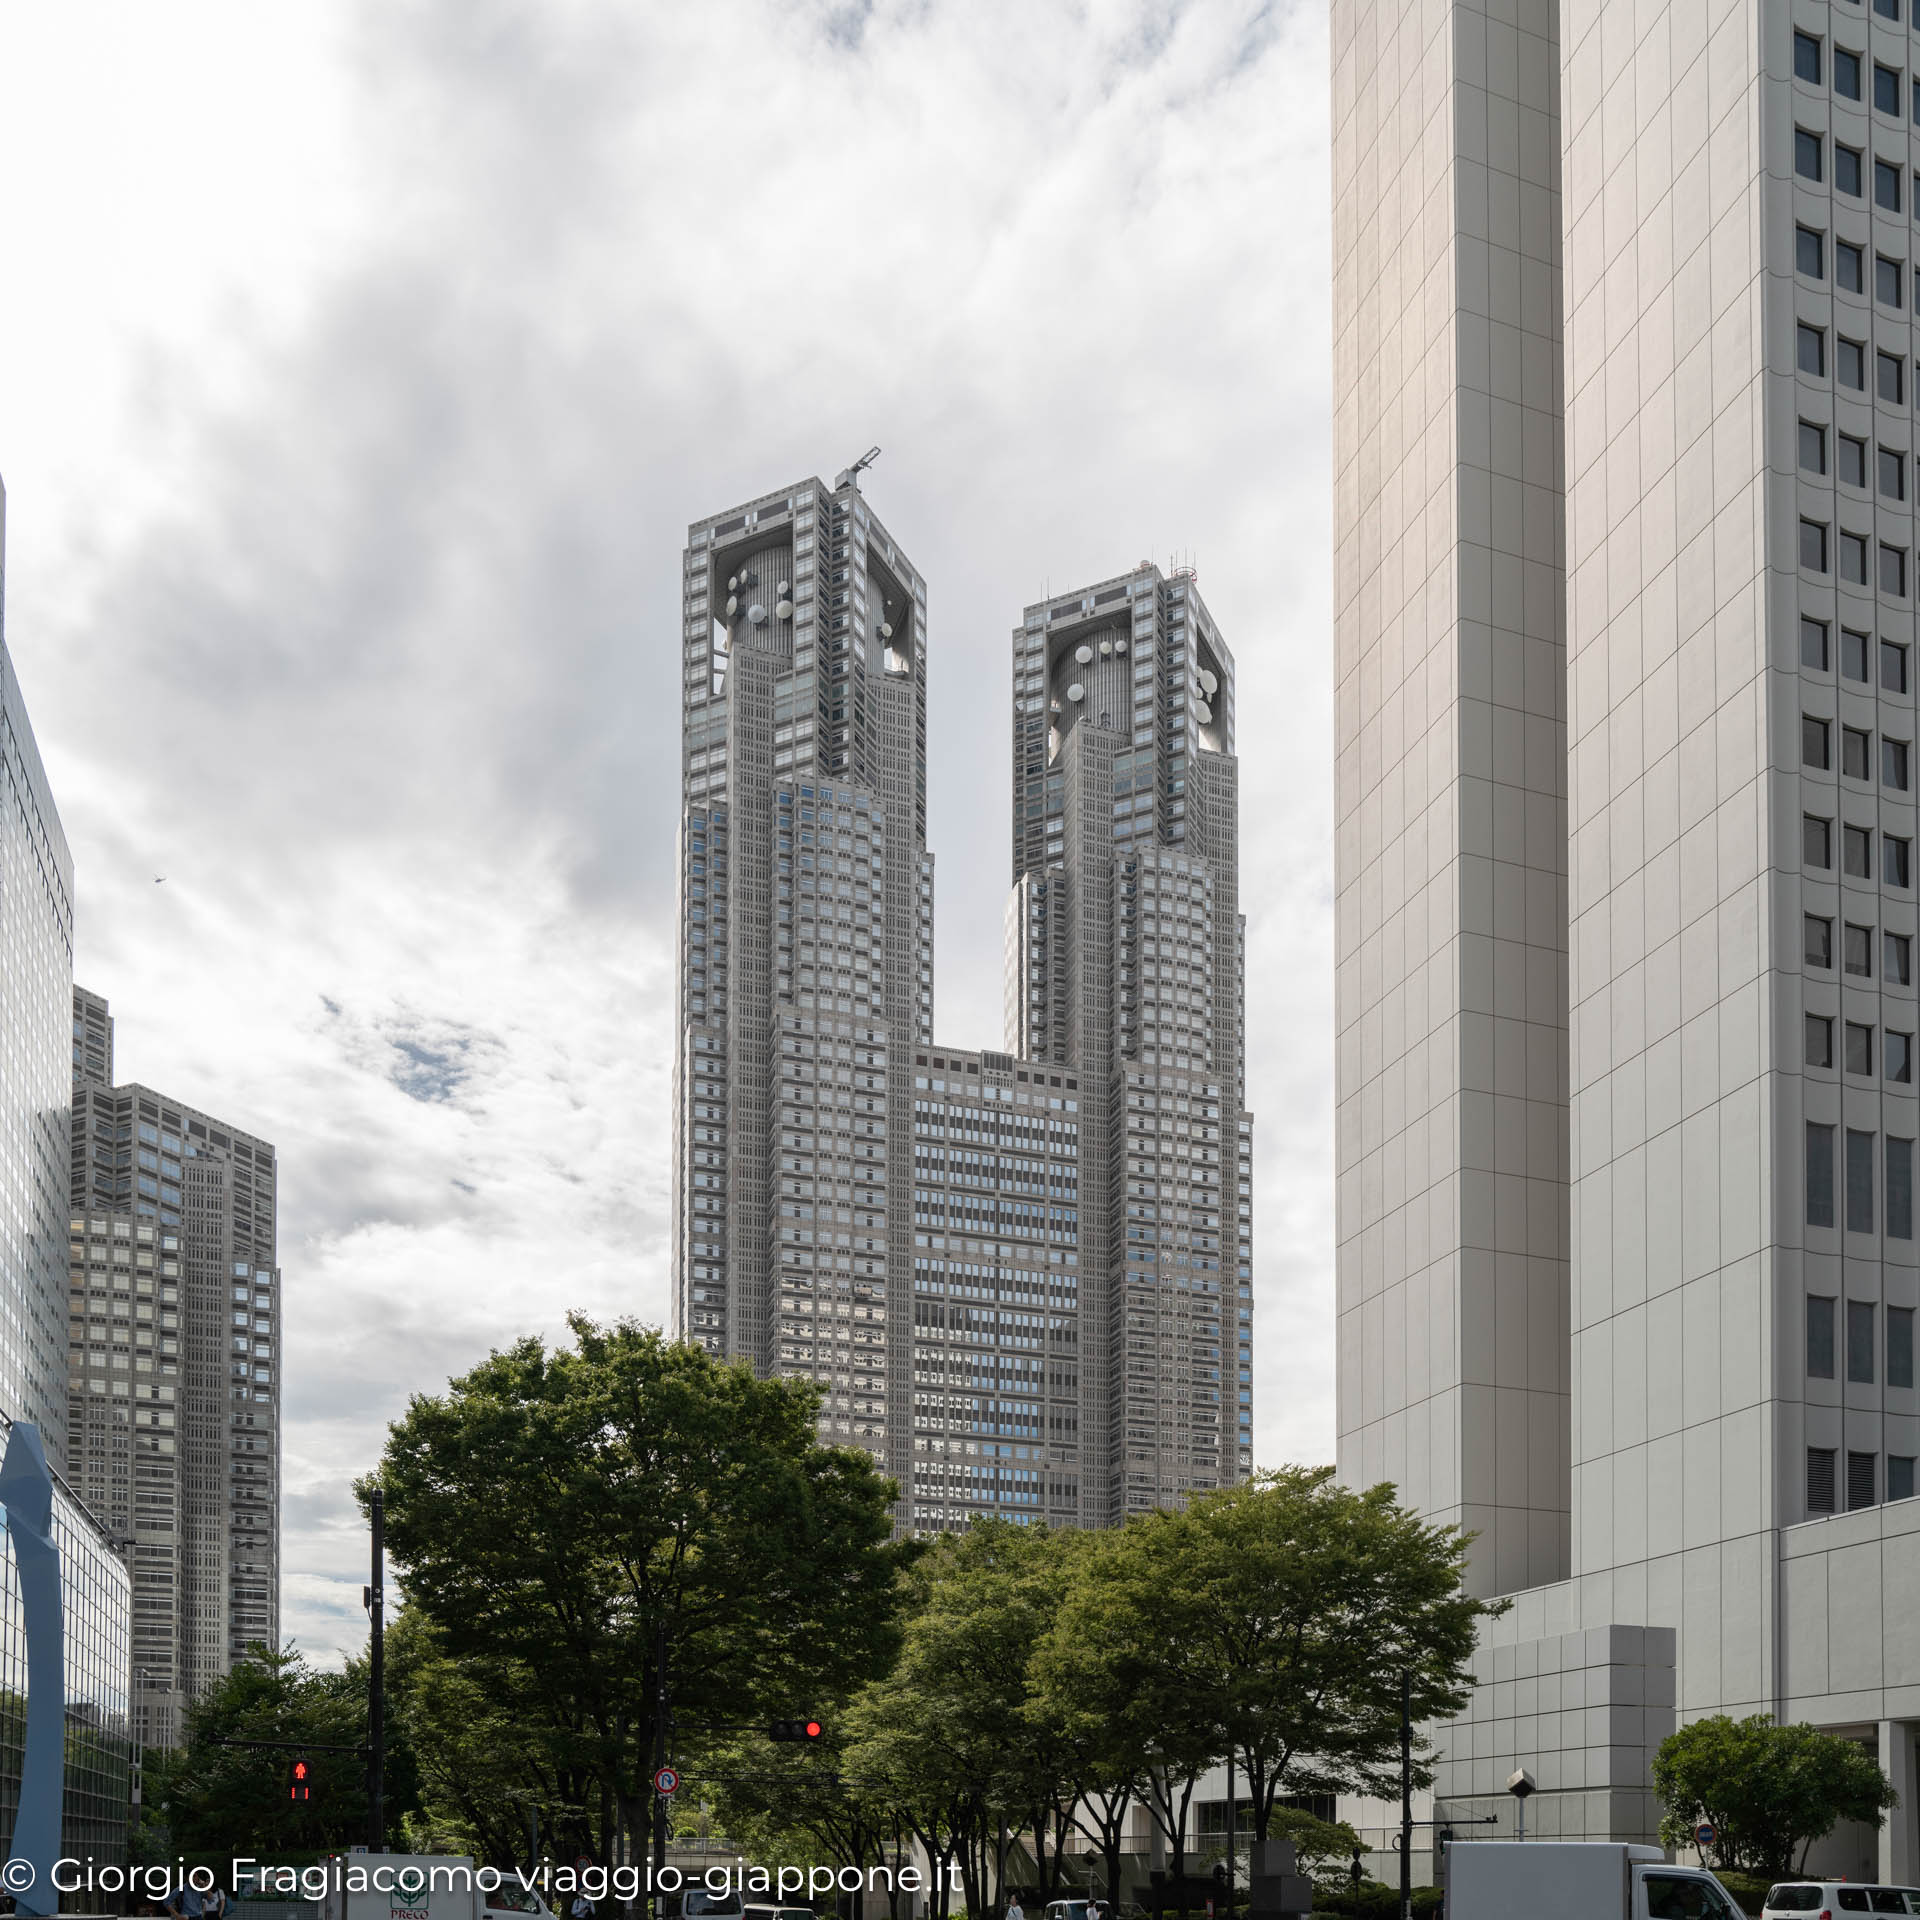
{"x": 795, "y": 1730}
{"x": 300, "y": 1781}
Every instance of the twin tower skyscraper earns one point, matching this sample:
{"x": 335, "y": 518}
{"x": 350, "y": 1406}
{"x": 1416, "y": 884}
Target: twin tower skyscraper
{"x": 1022, "y": 1275}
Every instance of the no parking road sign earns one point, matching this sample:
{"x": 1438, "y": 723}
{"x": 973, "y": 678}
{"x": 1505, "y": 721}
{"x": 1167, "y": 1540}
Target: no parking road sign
{"x": 666, "y": 1781}
{"x": 1703, "y": 1834}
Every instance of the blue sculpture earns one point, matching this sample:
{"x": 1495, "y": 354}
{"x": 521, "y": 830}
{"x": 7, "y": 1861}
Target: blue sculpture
{"x": 26, "y": 1491}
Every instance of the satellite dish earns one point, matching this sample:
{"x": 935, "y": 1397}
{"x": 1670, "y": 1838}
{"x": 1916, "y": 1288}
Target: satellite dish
{"x": 1119, "y": 646}
{"x": 1083, "y": 653}
{"x": 1206, "y": 714}
{"x": 1076, "y": 691}
{"x": 782, "y": 589}
{"x": 784, "y": 610}
{"x": 732, "y": 603}
{"x": 1209, "y": 680}
{"x": 758, "y": 615}
{"x": 1106, "y": 647}
{"x": 886, "y": 630}
{"x": 733, "y": 580}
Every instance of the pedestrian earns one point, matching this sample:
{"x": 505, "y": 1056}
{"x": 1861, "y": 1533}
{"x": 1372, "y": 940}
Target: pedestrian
{"x": 213, "y": 1905}
{"x": 582, "y": 1908}
{"x": 185, "y": 1903}
{"x": 1014, "y": 1910}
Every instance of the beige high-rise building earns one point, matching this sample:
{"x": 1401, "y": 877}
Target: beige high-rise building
{"x": 175, "y": 1371}
{"x": 1021, "y": 1278}
{"x": 1625, "y": 359}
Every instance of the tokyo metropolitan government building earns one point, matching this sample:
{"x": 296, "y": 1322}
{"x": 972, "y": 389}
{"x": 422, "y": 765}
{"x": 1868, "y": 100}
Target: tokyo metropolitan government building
{"x": 1022, "y": 1276}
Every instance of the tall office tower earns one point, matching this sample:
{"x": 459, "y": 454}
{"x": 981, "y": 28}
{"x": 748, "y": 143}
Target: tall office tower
{"x": 36, "y": 922}
{"x": 174, "y": 1400}
{"x": 938, "y": 1239}
{"x": 36, "y": 983}
{"x": 1738, "y": 363}
{"x": 1126, "y": 961}
{"x": 806, "y": 954}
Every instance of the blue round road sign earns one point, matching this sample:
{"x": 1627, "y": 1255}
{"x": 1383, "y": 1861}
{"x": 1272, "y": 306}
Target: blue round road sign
{"x": 1703, "y": 1835}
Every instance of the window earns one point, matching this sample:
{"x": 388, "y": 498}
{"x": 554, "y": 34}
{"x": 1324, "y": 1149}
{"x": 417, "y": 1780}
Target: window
{"x": 1899, "y": 1189}
{"x": 1820, "y": 1479}
{"x": 1813, "y": 546}
{"x": 1889, "y": 279}
{"x": 1897, "y": 1057}
{"x": 1859, "y": 1181}
{"x": 1899, "y": 960}
{"x": 1859, "y": 951}
{"x": 1815, "y": 841}
{"x": 1819, "y": 1041}
{"x": 1862, "y": 1473}
{"x": 1896, "y": 860}
{"x": 1814, "y": 742}
{"x": 1860, "y": 1318}
{"x": 1856, "y": 852}
{"x": 1899, "y": 1476}
{"x": 1859, "y": 1050}
{"x": 1893, "y": 666}
{"x": 1810, "y": 253}
{"x": 1819, "y": 940}
{"x": 1806, "y": 154}
{"x": 1853, "y": 558}
{"x": 1892, "y": 375}
{"x": 1893, "y": 764}
{"x": 1900, "y": 1347}
{"x": 1820, "y": 1317}
{"x": 1888, "y": 10}
{"x": 1893, "y": 474}
{"x": 1819, "y": 1175}
{"x": 1854, "y": 651}
{"x": 1846, "y": 74}
{"x": 1813, "y": 645}
{"x": 1886, "y": 185}
{"x": 1850, "y": 365}
{"x": 1886, "y": 89}
{"x": 1849, "y": 267}
{"x": 1846, "y": 171}
{"x": 1853, "y": 461}
{"x": 1806, "y": 58}
{"x": 1856, "y": 753}
{"x": 1893, "y": 571}
{"x": 1812, "y": 349}
{"x": 1813, "y": 448}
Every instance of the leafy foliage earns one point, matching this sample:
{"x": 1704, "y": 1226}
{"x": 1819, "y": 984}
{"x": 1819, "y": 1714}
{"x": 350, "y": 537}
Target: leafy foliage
{"x": 1769, "y": 1791}
{"x": 208, "y": 1791}
{"x": 562, "y": 1519}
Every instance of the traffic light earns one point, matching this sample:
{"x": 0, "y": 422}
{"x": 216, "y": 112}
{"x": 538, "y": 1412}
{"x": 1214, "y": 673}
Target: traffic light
{"x": 795, "y": 1730}
{"x": 300, "y": 1781}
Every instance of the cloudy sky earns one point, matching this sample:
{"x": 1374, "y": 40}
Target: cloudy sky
{"x": 360, "y": 368}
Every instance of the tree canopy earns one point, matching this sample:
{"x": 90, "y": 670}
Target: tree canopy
{"x": 563, "y": 1519}
{"x": 1769, "y": 1791}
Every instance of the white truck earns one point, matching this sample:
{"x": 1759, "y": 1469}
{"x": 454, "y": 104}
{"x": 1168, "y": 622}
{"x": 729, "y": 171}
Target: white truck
{"x": 403, "y": 1886}
{"x": 1576, "y": 1880}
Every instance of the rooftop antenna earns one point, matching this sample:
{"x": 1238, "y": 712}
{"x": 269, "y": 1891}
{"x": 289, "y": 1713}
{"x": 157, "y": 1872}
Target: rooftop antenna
{"x": 850, "y": 476}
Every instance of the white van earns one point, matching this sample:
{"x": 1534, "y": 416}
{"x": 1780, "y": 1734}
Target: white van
{"x": 1832, "y": 1898}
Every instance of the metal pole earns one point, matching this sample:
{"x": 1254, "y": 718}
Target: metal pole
{"x": 377, "y": 1680}
{"x": 1232, "y": 1795}
{"x": 1406, "y": 1793}
{"x": 659, "y": 1761}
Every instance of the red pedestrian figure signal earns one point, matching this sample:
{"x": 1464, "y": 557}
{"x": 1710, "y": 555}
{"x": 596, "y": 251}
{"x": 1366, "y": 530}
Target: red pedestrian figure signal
{"x": 795, "y": 1730}
{"x": 300, "y": 1783}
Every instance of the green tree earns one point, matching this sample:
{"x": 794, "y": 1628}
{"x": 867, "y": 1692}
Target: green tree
{"x": 1769, "y": 1791}
{"x": 1324, "y": 1848}
{"x": 566, "y": 1518}
{"x": 218, "y": 1796}
{"x": 1270, "y": 1621}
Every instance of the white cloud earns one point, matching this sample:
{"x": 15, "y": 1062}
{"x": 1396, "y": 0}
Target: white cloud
{"x": 348, "y": 470}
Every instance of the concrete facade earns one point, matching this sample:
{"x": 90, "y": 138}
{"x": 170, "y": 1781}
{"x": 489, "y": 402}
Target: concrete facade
{"x": 1728, "y": 185}
{"x": 174, "y": 1370}
{"x": 1013, "y": 1274}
